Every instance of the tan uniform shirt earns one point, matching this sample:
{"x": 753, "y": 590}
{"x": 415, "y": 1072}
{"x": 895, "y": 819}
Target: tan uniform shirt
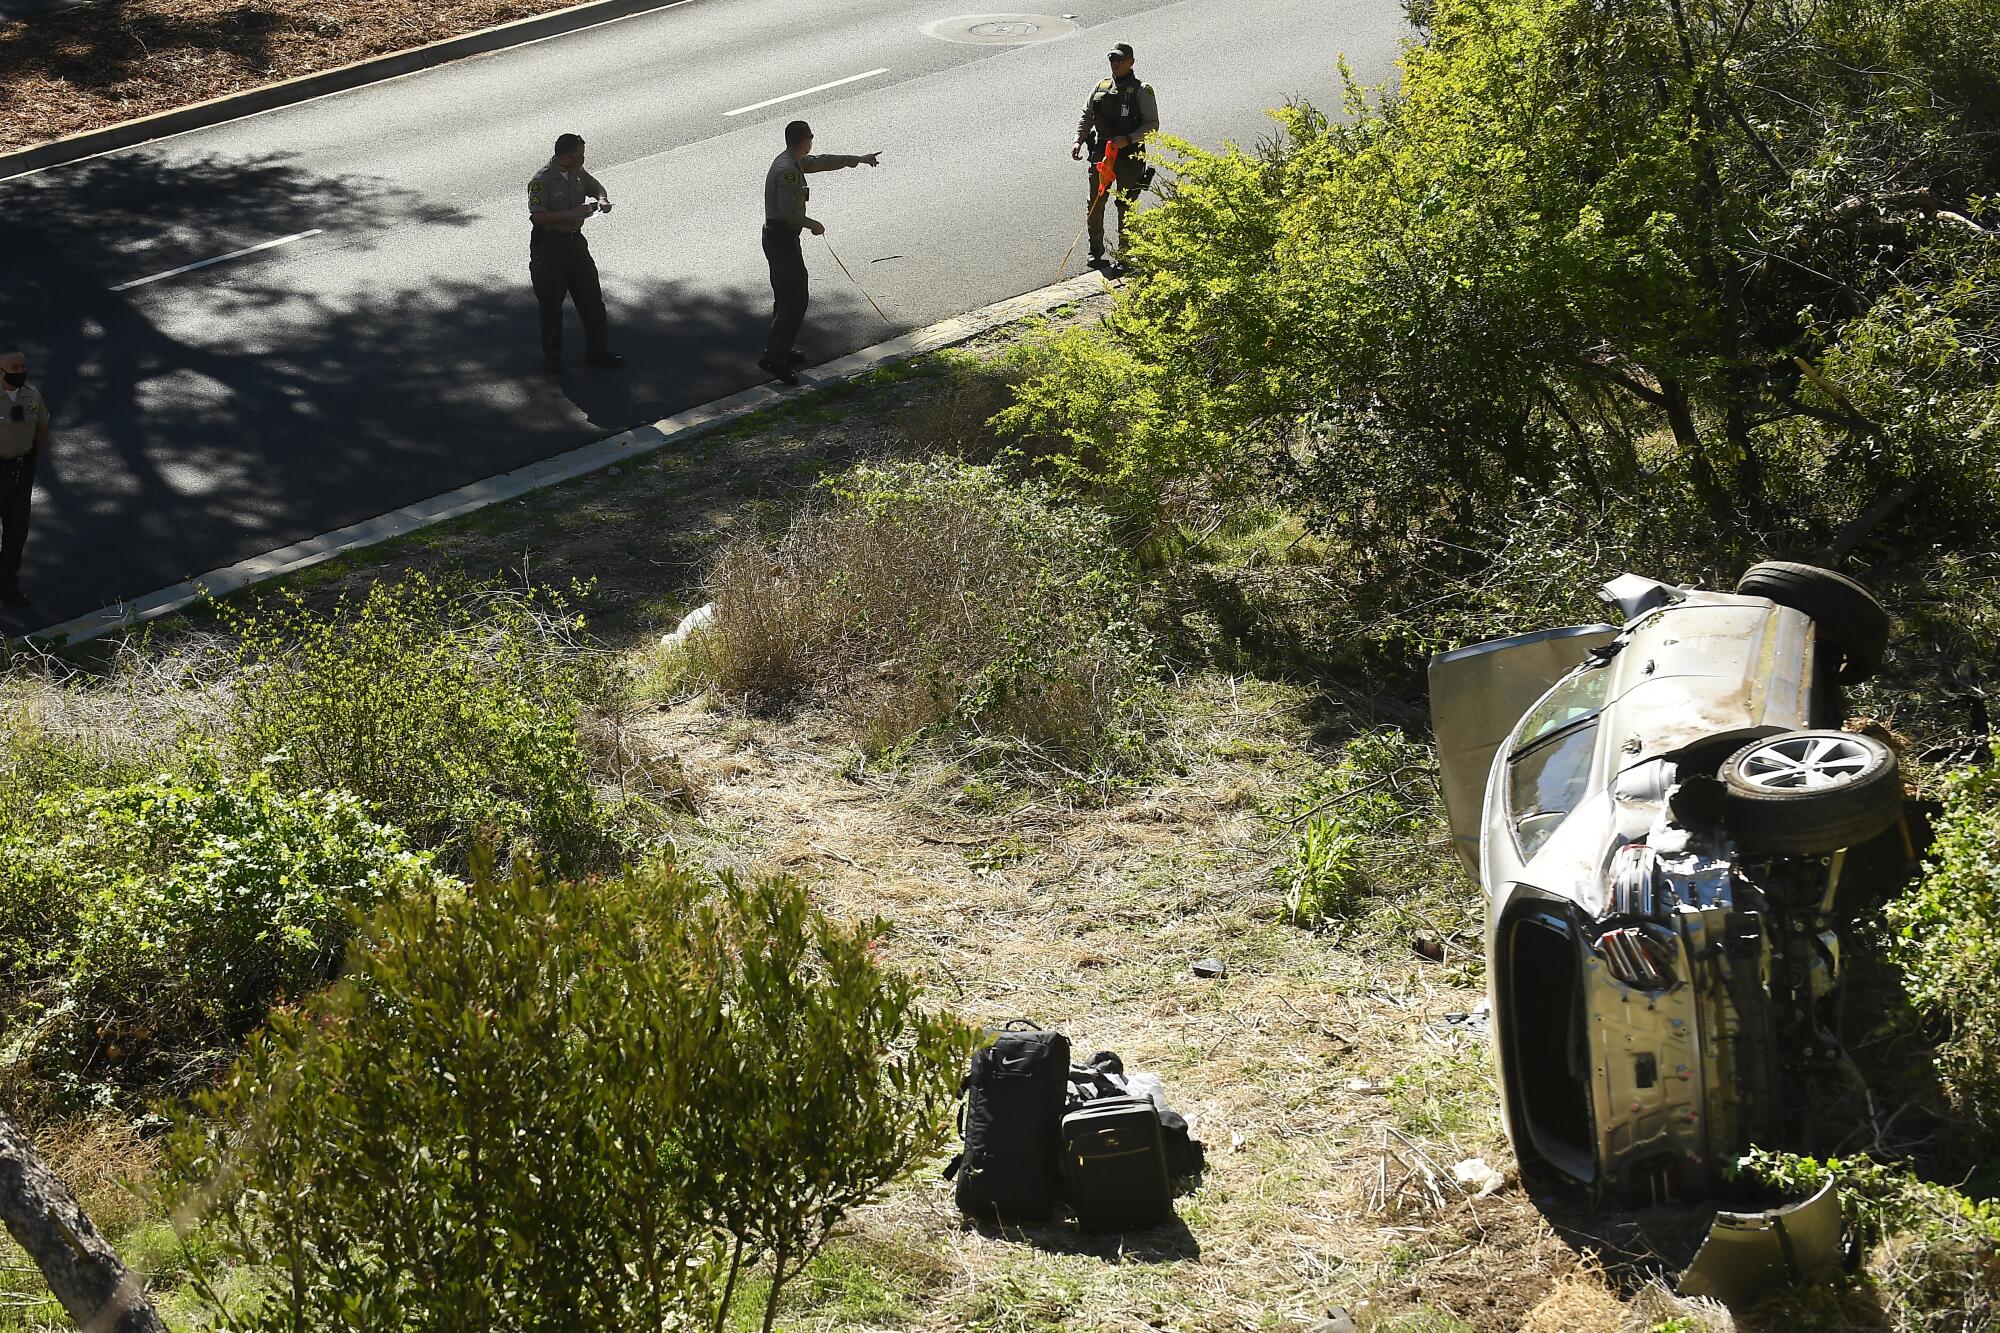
{"x": 785, "y": 188}
{"x": 18, "y": 437}
{"x": 553, "y": 189}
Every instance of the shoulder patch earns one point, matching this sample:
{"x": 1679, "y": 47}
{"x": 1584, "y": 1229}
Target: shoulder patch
{"x": 535, "y": 185}
{"x": 791, "y": 178}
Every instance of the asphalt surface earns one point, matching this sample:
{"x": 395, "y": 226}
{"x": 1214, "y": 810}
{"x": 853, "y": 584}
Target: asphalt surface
{"x": 212, "y": 415}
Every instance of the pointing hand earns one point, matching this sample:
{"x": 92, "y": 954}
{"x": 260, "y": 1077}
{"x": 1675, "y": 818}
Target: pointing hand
{"x": 872, "y": 159}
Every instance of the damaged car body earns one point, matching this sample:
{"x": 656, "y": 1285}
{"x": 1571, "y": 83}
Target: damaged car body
{"x": 1659, "y": 812}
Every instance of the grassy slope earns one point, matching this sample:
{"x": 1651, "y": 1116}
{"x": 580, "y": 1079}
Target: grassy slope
{"x": 1082, "y": 909}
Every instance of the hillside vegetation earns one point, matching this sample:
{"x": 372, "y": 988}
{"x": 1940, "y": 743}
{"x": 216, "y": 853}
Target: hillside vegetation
{"x": 432, "y": 950}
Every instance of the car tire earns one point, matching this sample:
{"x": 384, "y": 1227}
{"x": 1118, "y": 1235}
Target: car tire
{"x": 1808, "y": 793}
{"x": 1845, "y": 613}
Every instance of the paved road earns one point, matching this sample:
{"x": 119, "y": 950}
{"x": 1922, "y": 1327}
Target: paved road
{"x": 209, "y": 416}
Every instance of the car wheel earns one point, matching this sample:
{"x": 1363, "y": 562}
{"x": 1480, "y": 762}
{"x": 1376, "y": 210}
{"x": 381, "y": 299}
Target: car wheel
{"x": 1846, "y": 614}
{"x": 1807, "y": 793}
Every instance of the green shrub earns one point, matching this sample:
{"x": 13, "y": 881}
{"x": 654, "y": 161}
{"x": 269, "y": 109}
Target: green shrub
{"x": 563, "y": 1106}
{"x": 933, "y": 592}
{"x": 458, "y": 719}
{"x": 1932, "y": 1255}
{"x": 1365, "y": 823}
{"x": 1946, "y": 943}
{"x": 173, "y": 913}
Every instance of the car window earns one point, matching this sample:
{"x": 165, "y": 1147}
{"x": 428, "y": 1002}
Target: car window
{"x": 1577, "y": 696}
{"x": 1547, "y": 782}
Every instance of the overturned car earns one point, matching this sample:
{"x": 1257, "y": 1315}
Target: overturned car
{"x": 1659, "y": 814}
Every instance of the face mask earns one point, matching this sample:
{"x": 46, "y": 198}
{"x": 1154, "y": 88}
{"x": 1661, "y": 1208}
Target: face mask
{"x": 15, "y": 378}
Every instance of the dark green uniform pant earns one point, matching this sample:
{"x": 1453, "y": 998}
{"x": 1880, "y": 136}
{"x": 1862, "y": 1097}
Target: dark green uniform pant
{"x": 17, "y": 488}
{"x": 788, "y": 290}
{"x": 1127, "y": 174}
{"x": 559, "y": 264}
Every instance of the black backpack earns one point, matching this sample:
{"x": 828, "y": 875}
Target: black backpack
{"x": 1012, "y": 1118}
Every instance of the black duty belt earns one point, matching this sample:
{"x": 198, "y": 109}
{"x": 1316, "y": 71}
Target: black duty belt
{"x": 772, "y": 224}
{"x": 553, "y": 231}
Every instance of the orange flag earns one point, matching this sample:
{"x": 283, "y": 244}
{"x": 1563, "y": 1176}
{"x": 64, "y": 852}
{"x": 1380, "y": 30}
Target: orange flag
{"x": 1107, "y": 167}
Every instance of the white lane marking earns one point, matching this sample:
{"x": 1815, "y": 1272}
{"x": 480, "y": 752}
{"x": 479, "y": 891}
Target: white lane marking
{"x": 816, "y": 88}
{"x": 204, "y": 263}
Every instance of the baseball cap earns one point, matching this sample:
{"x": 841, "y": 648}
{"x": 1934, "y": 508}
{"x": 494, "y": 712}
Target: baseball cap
{"x": 1122, "y": 51}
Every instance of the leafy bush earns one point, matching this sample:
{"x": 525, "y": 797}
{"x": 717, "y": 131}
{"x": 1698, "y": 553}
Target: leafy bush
{"x": 564, "y": 1106}
{"x": 1932, "y": 1254}
{"x": 1614, "y": 246}
{"x": 938, "y": 591}
{"x": 1947, "y": 943}
{"x": 459, "y": 719}
{"x": 1359, "y": 826}
{"x": 175, "y": 912}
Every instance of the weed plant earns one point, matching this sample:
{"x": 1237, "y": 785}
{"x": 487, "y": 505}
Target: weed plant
{"x": 1365, "y": 836}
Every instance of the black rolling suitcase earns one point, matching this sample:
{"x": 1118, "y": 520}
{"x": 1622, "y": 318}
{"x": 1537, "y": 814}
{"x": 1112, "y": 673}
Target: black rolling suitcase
{"x": 1114, "y": 1165}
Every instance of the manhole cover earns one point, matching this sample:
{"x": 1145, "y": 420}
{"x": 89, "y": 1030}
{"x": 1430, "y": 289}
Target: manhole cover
{"x": 1001, "y": 29}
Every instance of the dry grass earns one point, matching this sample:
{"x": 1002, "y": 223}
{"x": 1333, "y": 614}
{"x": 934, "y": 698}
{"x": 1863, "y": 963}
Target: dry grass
{"x": 919, "y": 592}
{"x": 116, "y": 60}
{"x": 1087, "y": 917}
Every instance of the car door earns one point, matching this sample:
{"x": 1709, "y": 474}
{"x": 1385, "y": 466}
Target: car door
{"x": 1478, "y": 693}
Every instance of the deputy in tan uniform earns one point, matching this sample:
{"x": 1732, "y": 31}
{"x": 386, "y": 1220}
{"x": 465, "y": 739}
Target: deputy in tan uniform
{"x": 560, "y": 197}
{"x": 24, "y": 438}
{"x": 785, "y": 195}
{"x": 1120, "y": 113}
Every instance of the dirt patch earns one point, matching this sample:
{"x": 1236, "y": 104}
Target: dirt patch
{"x": 112, "y": 60}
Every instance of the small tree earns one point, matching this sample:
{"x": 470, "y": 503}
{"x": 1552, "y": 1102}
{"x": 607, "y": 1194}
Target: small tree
{"x": 480, "y": 1128}
{"x": 561, "y": 1106}
{"x": 829, "y": 1081}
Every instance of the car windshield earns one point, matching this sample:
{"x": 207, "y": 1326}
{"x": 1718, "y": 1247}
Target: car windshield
{"x": 1547, "y": 782}
{"x": 1579, "y": 696}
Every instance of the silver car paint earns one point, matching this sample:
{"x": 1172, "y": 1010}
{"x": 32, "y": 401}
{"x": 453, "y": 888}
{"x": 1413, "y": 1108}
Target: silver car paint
{"x": 1710, "y": 669}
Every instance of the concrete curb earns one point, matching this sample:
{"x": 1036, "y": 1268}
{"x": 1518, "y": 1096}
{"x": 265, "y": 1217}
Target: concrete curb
{"x": 91, "y": 143}
{"x": 590, "y": 458}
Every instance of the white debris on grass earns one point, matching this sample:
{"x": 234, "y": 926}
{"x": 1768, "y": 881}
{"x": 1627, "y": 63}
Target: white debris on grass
{"x": 1475, "y": 1175}
{"x": 699, "y": 618}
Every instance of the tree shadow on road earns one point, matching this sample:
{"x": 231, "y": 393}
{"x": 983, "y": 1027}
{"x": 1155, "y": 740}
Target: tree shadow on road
{"x": 209, "y": 420}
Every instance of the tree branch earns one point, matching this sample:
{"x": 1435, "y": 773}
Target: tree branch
{"x": 82, "y": 1270}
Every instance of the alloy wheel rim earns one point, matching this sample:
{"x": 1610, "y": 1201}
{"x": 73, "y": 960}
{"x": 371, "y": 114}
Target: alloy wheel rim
{"x": 1806, "y": 763}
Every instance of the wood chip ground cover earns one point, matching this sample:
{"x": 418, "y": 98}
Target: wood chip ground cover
{"x": 112, "y": 60}
{"x": 1320, "y": 1071}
